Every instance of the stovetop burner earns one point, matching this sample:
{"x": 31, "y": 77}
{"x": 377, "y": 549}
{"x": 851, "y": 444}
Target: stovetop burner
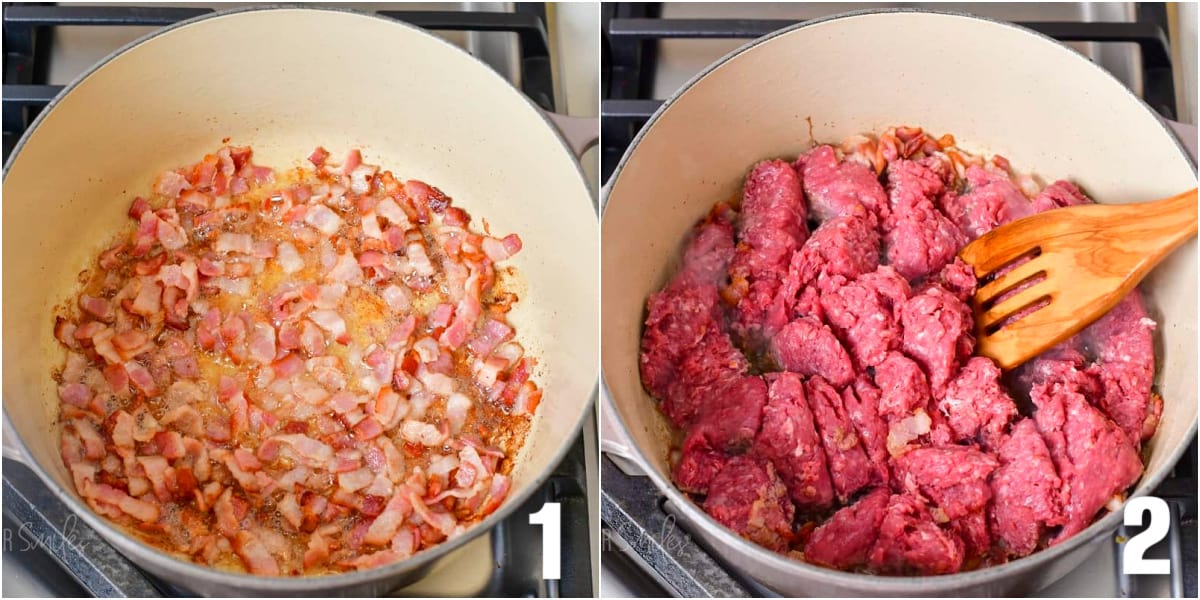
{"x": 642, "y": 531}
{"x": 75, "y": 560}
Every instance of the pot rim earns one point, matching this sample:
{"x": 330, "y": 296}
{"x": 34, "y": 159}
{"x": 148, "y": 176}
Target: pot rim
{"x": 136, "y": 549}
{"x": 878, "y": 583}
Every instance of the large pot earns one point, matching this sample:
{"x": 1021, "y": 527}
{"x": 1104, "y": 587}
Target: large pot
{"x": 998, "y": 88}
{"x": 285, "y": 81}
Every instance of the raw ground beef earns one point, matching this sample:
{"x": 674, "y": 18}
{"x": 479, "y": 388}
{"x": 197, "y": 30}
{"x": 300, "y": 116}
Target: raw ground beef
{"x": 825, "y": 383}
{"x": 771, "y": 228}
{"x": 1027, "y": 491}
{"x": 844, "y": 541}
{"x": 848, "y": 463}
{"x": 789, "y": 440}
{"x": 911, "y": 543}
{"x": 748, "y": 497}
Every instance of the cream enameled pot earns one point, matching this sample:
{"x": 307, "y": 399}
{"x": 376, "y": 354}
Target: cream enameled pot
{"x": 998, "y": 88}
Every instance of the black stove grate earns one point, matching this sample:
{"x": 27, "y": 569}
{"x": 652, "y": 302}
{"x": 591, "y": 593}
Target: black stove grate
{"x": 32, "y": 512}
{"x": 640, "y": 522}
{"x": 632, "y": 30}
{"x": 29, "y": 31}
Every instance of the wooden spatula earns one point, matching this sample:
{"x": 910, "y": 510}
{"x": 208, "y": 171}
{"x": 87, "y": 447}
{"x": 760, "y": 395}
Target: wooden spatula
{"x": 1045, "y": 277}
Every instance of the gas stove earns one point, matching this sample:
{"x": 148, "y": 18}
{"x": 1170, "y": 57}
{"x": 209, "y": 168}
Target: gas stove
{"x": 650, "y": 50}
{"x": 49, "y": 552}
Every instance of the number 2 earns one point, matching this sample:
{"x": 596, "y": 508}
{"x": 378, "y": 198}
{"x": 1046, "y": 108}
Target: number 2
{"x": 1135, "y": 548}
{"x": 550, "y": 518}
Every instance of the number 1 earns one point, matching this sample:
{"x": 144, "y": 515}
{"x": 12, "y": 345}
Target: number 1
{"x": 550, "y": 518}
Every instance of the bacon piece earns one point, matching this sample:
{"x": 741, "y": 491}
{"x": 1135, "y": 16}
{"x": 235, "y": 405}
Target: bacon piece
{"x": 289, "y": 258}
{"x": 240, "y": 243}
{"x": 318, "y": 156}
{"x": 493, "y": 333}
{"x": 254, "y": 554}
{"x": 288, "y": 367}
{"x": 141, "y": 378}
{"x": 170, "y": 444}
{"x": 207, "y": 330}
{"x": 419, "y": 260}
{"x": 321, "y": 218}
{"x": 315, "y": 454}
{"x": 169, "y": 184}
{"x": 346, "y": 270}
{"x": 145, "y": 236}
{"x": 331, "y": 322}
{"x": 355, "y": 480}
{"x": 368, "y": 429}
{"x": 75, "y": 394}
{"x": 457, "y": 408}
{"x": 261, "y": 344}
{"x": 498, "y": 250}
{"x": 99, "y": 308}
{"x": 419, "y": 432}
{"x": 311, "y": 338}
{"x": 385, "y": 526}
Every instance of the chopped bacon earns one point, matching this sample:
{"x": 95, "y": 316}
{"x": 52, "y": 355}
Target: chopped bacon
{"x": 365, "y": 451}
{"x": 419, "y": 432}
{"x": 318, "y": 156}
{"x": 493, "y": 333}
{"x": 261, "y": 344}
{"x": 457, "y": 408}
{"x": 254, "y": 554}
{"x": 240, "y": 243}
{"x": 288, "y": 367}
{"x": 499, "y": 250}
{"x": 289, "y": 258}
{"x": 98, "y": 308}
{"x": 169, "y": 184}
{"x": 321, "y": 218}
{"x": 346, "y": 270}
{"x": 331, "y": 322}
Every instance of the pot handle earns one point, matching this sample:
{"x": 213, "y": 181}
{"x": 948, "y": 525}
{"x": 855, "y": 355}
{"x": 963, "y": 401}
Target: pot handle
{"x": 580, "y": 133}
{"x": 1186, "y": 134}
{"x": 11, "y": 448}
{"x": 612, "y": 438}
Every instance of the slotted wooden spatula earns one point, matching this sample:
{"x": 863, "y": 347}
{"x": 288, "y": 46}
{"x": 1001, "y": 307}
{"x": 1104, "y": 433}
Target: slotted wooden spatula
{"x": 1045, "y": 277}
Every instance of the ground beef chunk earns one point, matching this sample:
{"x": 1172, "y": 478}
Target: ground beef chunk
{"x": 954, "y": 478}
{"x": 1124, "y": 349}
{"x": 991, "y": 200}
{"x": 921, "y": 241}
{"x": 839, "y": 188}
{"x": 678, "y": 318}
{"x": 865, "y": 314}
{"x": 808, "y": 347}
{"x": 862, "y": 407}
{"x": 1057, "y": 195}
{"x": 937, "y": 333}
{"x": 975, "y": 404}
{"x": 748, "y": 497}
{"x": 772, "y": 228}
{"x": 957, "y": 277}
{"x": 902, "y": 386}
{"x": 1026, "y": 489}
{"x": 726, "y": 424}
{"x": 697, "y": 465}
{"x": 1063, "y": 363}
{"x": 973, "y": 530}
{"x": 710, "y": 251}
{"x": 911, "y": 543}
{"x": 911, "y": 184}
{"x": 1093, "y": 456}
{"x": 789, "y": 440}
{"x": 849, "y": 467}
{"x": 706, "y": 368}
{"x": 844, "y": 541}
{"x": 847, "y": 246}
